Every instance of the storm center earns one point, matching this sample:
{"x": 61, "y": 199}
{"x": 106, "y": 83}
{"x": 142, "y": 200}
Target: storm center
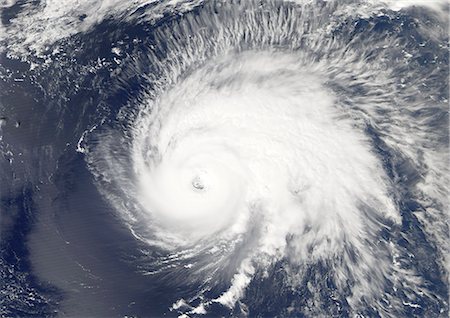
{"x": 198, "y": 184}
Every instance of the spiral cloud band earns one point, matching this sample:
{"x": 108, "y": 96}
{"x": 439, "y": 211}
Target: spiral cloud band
{"x": 256, "y": 134}
{"x": 260, "y": 139}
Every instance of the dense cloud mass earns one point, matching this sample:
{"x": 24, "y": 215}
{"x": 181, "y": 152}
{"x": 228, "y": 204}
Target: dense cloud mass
{"x": 257, "y": 158}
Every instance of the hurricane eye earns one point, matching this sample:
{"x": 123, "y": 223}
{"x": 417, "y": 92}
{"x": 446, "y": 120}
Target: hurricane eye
{"x": 198, "y": 184}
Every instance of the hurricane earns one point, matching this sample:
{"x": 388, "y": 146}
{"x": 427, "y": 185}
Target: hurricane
{"x": 213, "y": 158}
